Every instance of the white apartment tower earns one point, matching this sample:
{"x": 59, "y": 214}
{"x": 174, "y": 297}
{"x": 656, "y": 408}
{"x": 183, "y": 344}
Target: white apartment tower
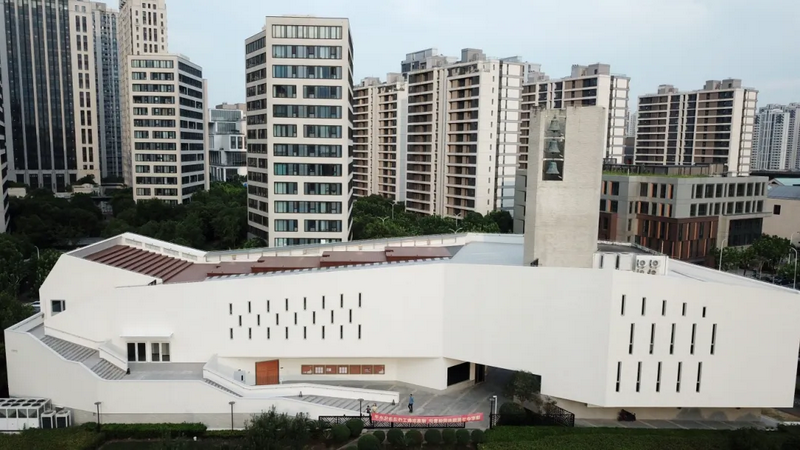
{"x": 713, "y": 125}
{"x": 379, "y": 141}
{"x": 164, "y": 143}
{"x": 776, "y": 139}
{"x": 227, "y": 150}
{"x": 299, "y": 105}
{"x": 592, "y": 85}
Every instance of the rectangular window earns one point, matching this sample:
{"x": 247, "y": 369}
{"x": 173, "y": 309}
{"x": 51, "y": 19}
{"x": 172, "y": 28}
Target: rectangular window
{"x": 286, "y": 303}
{"x": 658, "y": 378}
{"x": 323, "y": 332}
{"x": 694, "y": 332}
{"x": 678, "y": 383}
{"x": 704, "y": 311}
{"x": 663, "y": 307}
{"x": 240, "y": 320}
{"x": 295, "y": 318}
{"x": 638, "y": 376}
{"x": 619, "y": 374}
{"x": 341, "y": 300}
{"x": 331, "y": 316}
{"x": 277, "y": 319}
{"x": 359, "y": 331}
{"x": 249, "y": 307}
{"x": 623, "y": 306}
{"x": 323, "y": 302}
{"x": 359, "y": 299}
{"x": 267, "y": 305}
{"x": 351, "y": 316}
{"x": 141, "y": 352}
{"x": 341, "y": 331}
{"x": 713, "y": 337}
{"x": 258, "y": 320}
{"x": 672, "y": 340}
{"x": 268, "y": 333}
{"x": 286, "y": 334}
{"x": 314, "y": 317}
{"x": 57, "y": 306}
{"x": 249, "y": 333}
{"x": 304, "y": 303}
{"x": 630, "y": 343}
{"x": 683, "y": 311}
{"x": 699, "y": 375}
{"x": 304, "y": 333}
{"x": 230, "y": 309}
{"x": 231, "y": 333}
{"x": 155, "y": 352}
{"x": 644, "y": 304}
{"x": 652, "y": 337}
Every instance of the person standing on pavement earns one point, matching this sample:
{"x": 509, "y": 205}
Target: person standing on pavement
{"x": 411, "y": 403}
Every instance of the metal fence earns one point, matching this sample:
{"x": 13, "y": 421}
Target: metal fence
{"x": 370, "y": 424}
{"x": 554, "y": 417}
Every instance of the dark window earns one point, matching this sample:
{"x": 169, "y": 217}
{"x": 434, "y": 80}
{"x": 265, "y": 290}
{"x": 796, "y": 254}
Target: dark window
{"x": 776, "y": 209}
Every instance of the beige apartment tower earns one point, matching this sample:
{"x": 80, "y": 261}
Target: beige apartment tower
{"x": 713, "y": 125}
{"x": 164, "y": 143}
{"x": 299, "y": 78}
{"x": 592, "y": 85}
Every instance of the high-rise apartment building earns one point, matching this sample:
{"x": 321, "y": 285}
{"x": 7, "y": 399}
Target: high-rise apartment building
{"x": 299, "y": 75}
{"x": 227, "y": 150}
{"x": 592, "y": 85}
{"x": 107, "y": 86}
{"x": 713, "y": 125}
{"x": 4, "y": 218}
{"x": 380, "y": 118}
{"x": 164, "y": 142}
{"x": 48, "y": 71}
{"x": 776, "y": 138}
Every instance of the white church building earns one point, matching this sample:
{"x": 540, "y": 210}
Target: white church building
{"x": 145, "y": 330}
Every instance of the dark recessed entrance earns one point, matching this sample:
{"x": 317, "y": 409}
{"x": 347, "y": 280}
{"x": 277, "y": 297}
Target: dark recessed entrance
{"x": 457, "y": 374}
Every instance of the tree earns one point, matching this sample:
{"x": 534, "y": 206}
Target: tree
{"x": 523, "y": 387}
{"x": 42, "y": 265}
{"x": 88, "y": 179}
{"x": 503, "y": 220}
{"x": 772, "y": 249}
{"x": 273, "y": 430}
{"x": 13, "y": 268}
{"x": 255, "y": 242}
{"x": 731, "y": 258}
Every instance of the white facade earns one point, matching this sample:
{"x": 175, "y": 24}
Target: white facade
{"x": 776, "y": 139}
{"x": 592, "y": 85}
{"x": 299, "y": 92}
{"x": 651, "y": 342}
{"x": 227, "y": 147}
{"x": 713, "y": 125}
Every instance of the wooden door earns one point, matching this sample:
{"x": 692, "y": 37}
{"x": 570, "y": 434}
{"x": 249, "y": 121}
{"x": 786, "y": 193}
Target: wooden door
{"x": 267, "y": 372}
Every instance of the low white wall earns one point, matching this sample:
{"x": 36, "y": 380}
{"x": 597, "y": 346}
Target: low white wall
{"x": 35, "y": 370}
{"x": 582, "y": 411}
{"x": 114, "y": 355}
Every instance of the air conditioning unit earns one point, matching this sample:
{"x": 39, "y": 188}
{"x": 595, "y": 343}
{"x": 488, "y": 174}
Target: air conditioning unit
{"x": 63, "y": 419}
{"x": 49, "y": 420}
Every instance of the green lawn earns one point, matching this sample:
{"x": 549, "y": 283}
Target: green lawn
{"x": 548, "y": 438}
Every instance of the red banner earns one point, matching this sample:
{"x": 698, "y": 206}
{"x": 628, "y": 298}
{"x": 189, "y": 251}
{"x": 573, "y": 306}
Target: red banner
{"x": 427, "y": 420}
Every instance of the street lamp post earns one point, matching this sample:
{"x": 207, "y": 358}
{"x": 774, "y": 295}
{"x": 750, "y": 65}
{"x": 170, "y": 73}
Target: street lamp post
{"x": 97, "y": 405}
{"x": 721, "y": 247}
{"x": 360, "y": 409}
{"x": 231, "y": 403}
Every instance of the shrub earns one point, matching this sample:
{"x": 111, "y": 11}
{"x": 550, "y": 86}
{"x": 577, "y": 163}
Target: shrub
{"x": 368, "y": 442}
{"x": 315, "y": 429}
{"x": 413, "y": 438}
{"x": 449, "y": 436}
{"x": 433, "y": 437}
{"x": 511, "y": 408}
{"x": 478, "y": 437}
{"x": 340, "y": 434}
{"x": 462, "y": 437}
{"x": 355, "y": 426}
{"x": 380, "y": 435}
{"x": 396, "y": 438}
{"x": 224, "y": 434}
{"x": 118, "y": 431}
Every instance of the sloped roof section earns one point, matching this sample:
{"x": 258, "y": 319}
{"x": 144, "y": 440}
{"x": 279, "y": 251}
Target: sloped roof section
{"x": 141, "y": 261}
{"x": 784, "y": 192}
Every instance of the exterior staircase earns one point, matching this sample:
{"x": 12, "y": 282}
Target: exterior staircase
{"x": 86, "y": 356}
{"x": 350, "y": 404}
{"x": 222, "y": 388}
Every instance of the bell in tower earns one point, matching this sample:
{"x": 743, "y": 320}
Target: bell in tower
{"x": 552, "y": 149}
{"x": 554, "y": 126}
{"x": 552, "y": 169}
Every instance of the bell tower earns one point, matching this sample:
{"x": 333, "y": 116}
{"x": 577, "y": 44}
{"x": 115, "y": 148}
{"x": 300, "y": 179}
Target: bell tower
{"x": 563, "y": 181}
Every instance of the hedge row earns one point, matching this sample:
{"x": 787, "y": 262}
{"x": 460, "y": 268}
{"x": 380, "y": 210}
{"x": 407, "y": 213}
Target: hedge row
{"x": 58, "y": 439}
{"x": 117, "y": 431}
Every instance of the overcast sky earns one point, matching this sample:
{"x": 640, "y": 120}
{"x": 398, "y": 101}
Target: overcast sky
{"x": 678, "y": 42}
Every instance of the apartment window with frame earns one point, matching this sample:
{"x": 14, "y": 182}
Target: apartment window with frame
{"x": 159, "y": 351}
{"x": 284, "y": 130}
{"x": 137, "y": 351}
{"x": 57, "y": 306}
{"x": 284, "y": 91}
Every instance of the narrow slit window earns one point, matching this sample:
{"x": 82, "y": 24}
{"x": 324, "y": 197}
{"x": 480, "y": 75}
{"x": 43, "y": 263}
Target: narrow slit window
{"x": 663, "y": 307}
{"x": 359, "y": 299}
{"x": 287, "y": 332}
{"x": 359, "y": 331}
{"x": 704, "y": 311}
{"x": 277, "y": 319}
{"x": 683, "y": 311}
{"x": 672, "y": 340}
{"x": 644, "y": 304}
{"x": 678, "y": 383}
{"x": 622, "y": 308}
{"x": 341, "y": 300}
{"x": 351, "y": 316}
{"x": 341, "y": 331}
{"x": 619, "y": 374}
{"x": 240, "y": 320}
{"x": 658, "y": 378}
{"x": 295, "y": 318}
{"x": 323, "y": 302}
{"x": 331, "y": 316}
{"x": 258, "y": 320}
{"x": 287, "y": 304}
{"x": 230, "y": 308}
{"x": 638, "y": 376}
{"x": 231, "y": 333}
{"x": 713, "y": 337}
{"x": 268, "y": 333}
{"x": 267, "y": 305}
{"x": 652, "y": 337}
{"x": 699, "y": 375}
{"x": 323, "y": 332}
{"x": 304, "y": 333}
{"x": 694, "y": 332}
{"x": 249, "y": 333}
{"x": 304, "y": 304}
{"x": 630, "y": 343}
{"x": 314, "y": 318}
{"x": 249, "y": 307}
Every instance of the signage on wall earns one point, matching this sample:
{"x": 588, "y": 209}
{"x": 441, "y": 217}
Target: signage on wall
{"x": 427, "y": 420}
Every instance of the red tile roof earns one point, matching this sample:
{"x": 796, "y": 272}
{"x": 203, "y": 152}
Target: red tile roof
{"x": 141, "y": 261}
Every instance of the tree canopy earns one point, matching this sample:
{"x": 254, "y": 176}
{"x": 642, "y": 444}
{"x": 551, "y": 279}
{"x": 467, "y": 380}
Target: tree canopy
{"x": 376, "y": 217}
